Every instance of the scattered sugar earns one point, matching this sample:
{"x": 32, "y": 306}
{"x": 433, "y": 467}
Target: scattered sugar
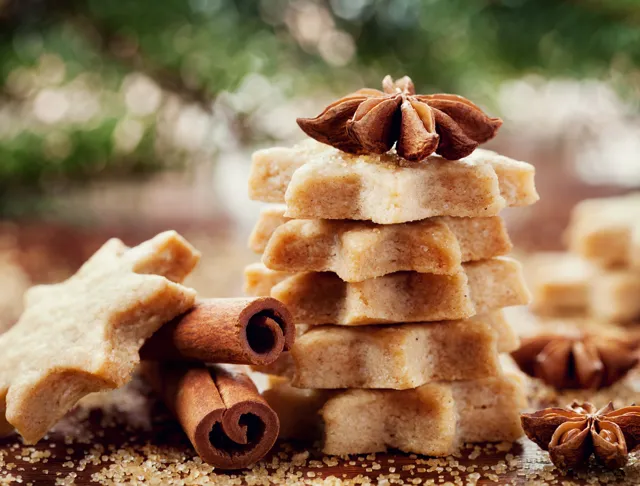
{"x": 136, "y": 461}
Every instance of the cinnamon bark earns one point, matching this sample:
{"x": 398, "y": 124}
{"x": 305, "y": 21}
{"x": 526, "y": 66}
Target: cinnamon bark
{"x": 228, "y": 422}
{"x": 239, "y": 331}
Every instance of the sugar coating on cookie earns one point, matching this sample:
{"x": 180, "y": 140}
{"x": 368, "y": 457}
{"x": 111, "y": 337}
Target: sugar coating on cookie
{"x": 320, "y": 182}
{"x": 83, "y": 335}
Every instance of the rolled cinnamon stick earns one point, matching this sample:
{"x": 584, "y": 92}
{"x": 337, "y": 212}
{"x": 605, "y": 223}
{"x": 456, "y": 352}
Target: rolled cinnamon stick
{"x": 239, "y": 331}
{"x": 229, "y": 424}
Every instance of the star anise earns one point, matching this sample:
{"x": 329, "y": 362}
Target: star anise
{"x": 371, "y": 121}
{"x": 573, "y": 433}
{"x": 583, "y": 361}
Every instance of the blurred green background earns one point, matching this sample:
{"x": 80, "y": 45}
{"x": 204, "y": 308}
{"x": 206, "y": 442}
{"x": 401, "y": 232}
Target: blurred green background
{"x": 123, "y": 118}
{"x": 105, "y": 88}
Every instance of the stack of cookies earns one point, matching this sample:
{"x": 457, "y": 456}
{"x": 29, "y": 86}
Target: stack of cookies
{"x": 394, "y": 272}
{"x": 599, "y": 276}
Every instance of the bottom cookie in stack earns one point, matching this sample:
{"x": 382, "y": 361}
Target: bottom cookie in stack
{"x": 434, "y": 419}
{"x": 425, "y": 388}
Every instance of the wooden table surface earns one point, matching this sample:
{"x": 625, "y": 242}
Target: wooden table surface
{"x": 126, "y": 437}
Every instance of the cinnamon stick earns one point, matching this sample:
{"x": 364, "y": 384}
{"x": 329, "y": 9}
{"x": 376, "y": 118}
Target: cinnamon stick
{"x": 239, "y": 331}
{"x": 229, "y": 424}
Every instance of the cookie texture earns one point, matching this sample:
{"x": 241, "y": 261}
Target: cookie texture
{"x": 359, "y": 250}
{"x": 320, "y": 182}
{"x": 566, "y": 284}
{"x": 323, "y": 298}
{"x": 433, "y": 419}
{"x": 83, "y": 335}
{"x": 401, "y": 356}
{"x": 606, "y": 231}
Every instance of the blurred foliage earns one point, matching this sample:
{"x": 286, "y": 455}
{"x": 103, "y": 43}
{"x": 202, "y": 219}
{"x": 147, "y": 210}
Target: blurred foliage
{"x": 193, "y": 50}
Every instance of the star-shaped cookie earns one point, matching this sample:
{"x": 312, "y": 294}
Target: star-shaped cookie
{"x": 317, "y": 181}
{"x": 83, "y": 335}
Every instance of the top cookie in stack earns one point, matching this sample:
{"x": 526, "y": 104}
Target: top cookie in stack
{"x": 394, "y": 257}
{"x": 320, "y": 182}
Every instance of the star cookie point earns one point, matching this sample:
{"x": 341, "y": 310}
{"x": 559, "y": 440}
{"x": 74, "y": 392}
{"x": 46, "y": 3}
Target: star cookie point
{"x": 83, "y": 335}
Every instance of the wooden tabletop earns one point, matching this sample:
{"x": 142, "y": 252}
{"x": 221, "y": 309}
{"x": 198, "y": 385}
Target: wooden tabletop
{"x": 126, "y": 437}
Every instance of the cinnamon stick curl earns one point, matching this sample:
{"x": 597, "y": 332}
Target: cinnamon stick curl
{"x": 226, "y": 419}
{"x": 237, "y": 331}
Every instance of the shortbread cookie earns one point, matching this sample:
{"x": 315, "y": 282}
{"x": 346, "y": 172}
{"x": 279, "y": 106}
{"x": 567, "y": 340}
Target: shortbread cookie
{"x": 362, "y": 351}
{"x": 358, "y": 250}
{"x": 297, "y": 408}
{"x": 563, "y": 284}
{"x": 433, "y": 419}
{"x": 83, "y": 335}
{"x": 323, "y": 298}
{"x": 317, "y": 181}
{"x": 401, "y": 356}
{"x": 607, "y": 231}
{"x": 559, "y": 283}
{"x": 16, "y": 282}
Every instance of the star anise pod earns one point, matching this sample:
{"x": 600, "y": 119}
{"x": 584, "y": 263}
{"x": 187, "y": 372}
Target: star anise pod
{"x": 583, "y": 361}
{"x": 371, "y": 121}
{"x": 573, "y": 433}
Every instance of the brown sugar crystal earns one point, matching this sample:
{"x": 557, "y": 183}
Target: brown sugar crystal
{"x": 320, "y": 182}
{"x": 358, "y": 250}
{"x": 323, "y": 298}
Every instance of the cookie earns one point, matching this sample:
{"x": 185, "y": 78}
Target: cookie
{"x": 401, "y": 356}
{"x": 565, "y": 284}
{"x": 433, "y": 419}
{"x": 323, "y": 298}
{"x": 558, "y": 282}
{"x": 319, "y": 182}
{"x": 606, "y": 231}
{"x": 83, "y": 335}
{"x": 358, "y": 250}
